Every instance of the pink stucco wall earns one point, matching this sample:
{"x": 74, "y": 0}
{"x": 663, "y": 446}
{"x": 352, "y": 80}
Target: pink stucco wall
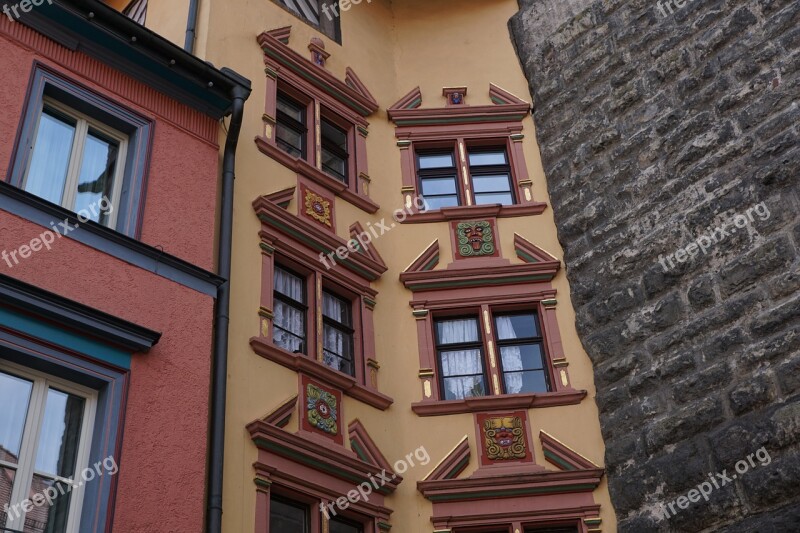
{"x": 161, "y": 482}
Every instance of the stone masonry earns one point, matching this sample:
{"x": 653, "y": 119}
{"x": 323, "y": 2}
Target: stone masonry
{"x": 661, "y": 126}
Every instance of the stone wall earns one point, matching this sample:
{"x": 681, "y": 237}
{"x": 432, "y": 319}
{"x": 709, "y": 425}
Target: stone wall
{"x": 659, "y": 133}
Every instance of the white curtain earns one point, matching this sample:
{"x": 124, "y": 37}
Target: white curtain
{"x": 511, "y": 356}
{"x": 287, "y": 317}
{"x": 50, "y": 159}
{"x": 461, "y": 362}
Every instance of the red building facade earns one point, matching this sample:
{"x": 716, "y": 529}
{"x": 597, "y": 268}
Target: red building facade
{"x": 109, "y": 199}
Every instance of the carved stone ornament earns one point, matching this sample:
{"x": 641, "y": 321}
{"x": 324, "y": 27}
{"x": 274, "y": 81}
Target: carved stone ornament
{"x": 504, "y": 438}
{"x": 321, "y": 409}
{"x": 475, "y": 238}
{"x": 318, "y": 208}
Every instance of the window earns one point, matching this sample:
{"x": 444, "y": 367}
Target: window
{"x": 45, "y": 428}
{"x": 335, "y": 160}
{"x": 286, "y": 516}
{"x": 322, "y": 14}
{"x": 438, "y": 179}
{"x": 76, "y": 147}
{"x": 76, "y": 162}
{"x": 460, "y": 351}
{"x": 461, "y": 354}
{"x": 521, "y": 353}
{"x": 340, "y": 525}
{"x": 489, "y": 177}
{"x": 291, "y": 129}
{"x": 289, "y": 330}
{"x": 136, "y": 11}
{"x": 337, "y": 324}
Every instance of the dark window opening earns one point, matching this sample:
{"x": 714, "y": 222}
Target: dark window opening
{"x": 291, "y": 128}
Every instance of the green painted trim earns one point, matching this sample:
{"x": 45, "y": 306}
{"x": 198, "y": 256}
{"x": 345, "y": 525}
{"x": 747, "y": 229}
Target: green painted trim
{"x": 359, "y": 451}
{"x": 500, "y": 281}
{"x": 453, "y": 472}
{"x": 314, "y": 463}
{"x": 262, "y": 483}
{"x": 267, "y": 248}
{"x": 63, "y": 337}
{"x": 370, "y": 302}
{"x": 593, "y": 521}
{"x": 558, "y": 460}
{"x": 384, "y": 526}
{"x": 316, "y": 246}
{"x": 318, "y": 81}
{"x": 432, "y": 263}
{"x": 415, "y": 103}
{"x": 515, "y": 492}
{"x": 528, "y": 258}
{"x": 458, "y": 120}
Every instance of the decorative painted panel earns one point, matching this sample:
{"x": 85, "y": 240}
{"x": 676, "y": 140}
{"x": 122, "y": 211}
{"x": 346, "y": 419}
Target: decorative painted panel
{"x": 504, "y": 438}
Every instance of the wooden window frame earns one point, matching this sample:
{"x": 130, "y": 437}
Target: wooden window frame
{"x": 306, "y": 133}
{"x": 480, "y": 344}
{"x": 344, "y": 103}
{"x": 301, "y": 306}
{"x": 294, "y": 243}
{"x": 32, "y": 431}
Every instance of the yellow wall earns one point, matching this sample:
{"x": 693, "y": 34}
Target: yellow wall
{"x": 393, "y": 47}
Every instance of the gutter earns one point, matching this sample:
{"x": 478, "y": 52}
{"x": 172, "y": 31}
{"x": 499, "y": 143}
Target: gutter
{"x": 239, "y": 94}
{"x": 191, "y": 26}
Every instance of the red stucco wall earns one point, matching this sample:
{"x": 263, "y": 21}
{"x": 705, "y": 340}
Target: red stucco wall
{"x": 161, "y": 482}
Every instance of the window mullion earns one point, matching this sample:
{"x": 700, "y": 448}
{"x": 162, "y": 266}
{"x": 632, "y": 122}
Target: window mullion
{"x": 462, "y": 169}
{"x": 30, "y": 443}
{"x": 75, "y": 163}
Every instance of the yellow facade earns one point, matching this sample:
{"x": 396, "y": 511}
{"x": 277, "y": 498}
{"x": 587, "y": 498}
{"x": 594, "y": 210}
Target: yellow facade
{"x": 393, "y": 47}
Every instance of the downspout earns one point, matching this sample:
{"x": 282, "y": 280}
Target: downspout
{"x": 239, "y": 93}
{"x": 191, "y": 26}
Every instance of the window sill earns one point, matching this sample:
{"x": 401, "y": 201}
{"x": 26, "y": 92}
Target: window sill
{"x": 314, "y": 174}
{"x": 476, "y": 211}
{"x": 302, "y": 363}
{"x": 491, "y": 403}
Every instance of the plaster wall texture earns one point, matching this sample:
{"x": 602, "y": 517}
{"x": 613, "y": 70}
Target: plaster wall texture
{"x": 393, "y": 48}
{"x": 163, "y": 453}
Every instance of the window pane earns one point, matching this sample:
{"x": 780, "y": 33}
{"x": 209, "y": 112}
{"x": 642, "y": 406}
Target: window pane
{"x": 97, "y": 174}
{"x": 15, "y": 396}
{"x": 461, "y": 362}
{"x": 334, "y": 165}
{"x": 334, "y": 135}
{"x": 438, "y": 186}
{"x": 487, "y": 158}
{"x": 336, "y": 308}
{"x": 50, "y": 159}
{"x": 338, "y": 526}
{"x": 289, "y": 285}
{"x": 463, "y": 387}
{"x": 48, "y": 518}
{"x": 291, "y": 108}
{"x": 289, "y": 140}
{"x": 287, "y": 517}
{"x": 527, "y": 381}
{"x": 437, "y": 202}
{"x": 6, "y": 485}
{"x": 289, "y": 328}
{"x": 457, "y": 330}
{"x": 501, "y": 198}
{"x": 516, "y": 326}
{"x": 523, "y": 357}
{"x": 60, "y": 434}
{"x": 436, "y": 160}
{"x": 492, "y": 183}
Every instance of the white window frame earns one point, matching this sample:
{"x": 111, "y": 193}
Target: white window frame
{"x": 24, "y": 471}
{"x": 82, "y": 124}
